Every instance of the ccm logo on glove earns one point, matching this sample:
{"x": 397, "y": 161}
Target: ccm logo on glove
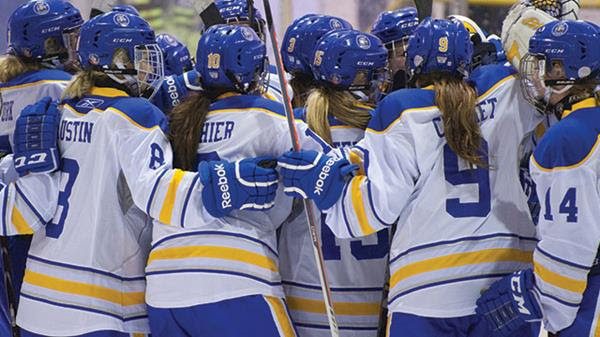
{"x": 515, "y": 284}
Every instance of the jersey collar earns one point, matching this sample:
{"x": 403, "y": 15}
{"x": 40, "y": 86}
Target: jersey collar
{"x": 586, "y": 103}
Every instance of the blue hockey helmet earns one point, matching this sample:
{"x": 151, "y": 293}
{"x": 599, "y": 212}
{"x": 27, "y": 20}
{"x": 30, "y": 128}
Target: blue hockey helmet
{"x": 238, "y": 12}
{"x": 301, "y": 38}
{"x": 123, "y": 46}
{"x": 561, "y": 54}
{"x": 176, "y": 55}
{"x": 393, "y": 26}
{"x": 439, "y": 45}
{"x": 350, "y": 60}
{"x": 44, "y": 30}
{"x": 231, "y": 57}
{"x": 126, "y": 8}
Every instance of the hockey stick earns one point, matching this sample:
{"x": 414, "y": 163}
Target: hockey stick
{"x": 289, "y": 114}
{"x": 383, "y": 309}
{"x": 424, "y": 8}
{"x": 9, "y": 288}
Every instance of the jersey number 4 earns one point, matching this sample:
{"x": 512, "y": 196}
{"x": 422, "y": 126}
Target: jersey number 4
{"x": 471, "y": 176}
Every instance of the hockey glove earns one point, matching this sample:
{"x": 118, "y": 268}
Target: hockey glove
{"x": 510, "y": 303}
{"x": 313, "y": 175}
{"x": 248, "y": 184}
{"x": 35, "y": 138}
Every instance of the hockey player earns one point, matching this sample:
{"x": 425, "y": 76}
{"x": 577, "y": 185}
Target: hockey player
{"x": 562, "y": 288}
{"x": 219, "y": 276}
{"x": 33, "y": 67}
{"x": 440, "y": 160}
{"x": 85, "y": 269}
{"x": 394, "y": 28}
{"x": 176, "y": 55}
{"x": 297, "y": 51}
{"x": 345, "y": 61}
{"x": 234, "y": 12}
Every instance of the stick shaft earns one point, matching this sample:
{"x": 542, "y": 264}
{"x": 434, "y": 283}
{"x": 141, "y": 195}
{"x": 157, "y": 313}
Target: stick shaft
{"x": 310, "y": 214}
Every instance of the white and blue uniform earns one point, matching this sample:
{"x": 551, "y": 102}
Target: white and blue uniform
{"x": 355, "y": 268}
{"x": 227, "y": 262}
{"x": 15, "y": 95}
{"x": 85, "y": 270}
{"x": 459, "y": 228}
{"x": 565, "y": 167}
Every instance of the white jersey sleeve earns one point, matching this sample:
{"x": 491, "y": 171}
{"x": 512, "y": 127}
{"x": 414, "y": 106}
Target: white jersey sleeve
{"x": 565, "y": 167}
{"x": 28, "y": 203}
{"x": 145, "y": 157}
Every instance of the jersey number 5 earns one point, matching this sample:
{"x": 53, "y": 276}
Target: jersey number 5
{"x": 459, "y": 178}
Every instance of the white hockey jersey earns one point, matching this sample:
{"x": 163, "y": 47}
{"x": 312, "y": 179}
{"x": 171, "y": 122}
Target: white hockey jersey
{"x": 85, "y": 270}
{"x": 210, "y": 259}
{"x": 23, "y": 90}
{"x": 566, "y": 169}
{"x": 459, "y": 228}
{"x": 355, "y": 269}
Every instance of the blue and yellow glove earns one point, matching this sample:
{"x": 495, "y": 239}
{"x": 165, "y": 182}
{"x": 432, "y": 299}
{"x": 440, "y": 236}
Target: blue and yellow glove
{"x": 35, "y": 138}
{"x": 248, "y": 184}
{"x": 314, "y": 175}
{"x": 510, "y": 303}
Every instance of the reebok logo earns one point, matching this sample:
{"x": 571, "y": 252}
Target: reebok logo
{"x": 515, "y": 285}
{"x": 223, "y": 186}
{"x": 172, "y": 90}
{"x": 323, "y": 175}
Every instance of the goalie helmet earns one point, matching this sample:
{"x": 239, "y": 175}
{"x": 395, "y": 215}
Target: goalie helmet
{"x": 176, "y": 55}
{"x": 44, "y": 30}
{"x": 123, "y": 46}
{"x": 301, "y": 38}
{"x": 439, "y": 46}
{"x": 231, "y": 58}
{"x": 351, "y": 60}
{"x": 562, "y": 54}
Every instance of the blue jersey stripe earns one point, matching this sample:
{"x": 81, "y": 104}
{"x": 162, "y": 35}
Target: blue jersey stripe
{"x": 187, "y": 198}
{"x": 222, "y": 233}
{"x": 558, "y": 259}
{"x": 151, "y": 199}
{"x": 87, "y": 269}
{"x": 341, "y": 327}
{"x": 337, "y": 289}
{"x": 37, "y": 214}
{"x": 213, "y": 271}
{"x": 572, "y": 305}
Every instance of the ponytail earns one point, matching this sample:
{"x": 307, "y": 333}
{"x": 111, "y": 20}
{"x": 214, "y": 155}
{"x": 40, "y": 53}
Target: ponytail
{"x": 12, "y": 66}
{"x": 186, "y": 124}
{"x": 324, "y": 101}
{"x": 457, "y": 100}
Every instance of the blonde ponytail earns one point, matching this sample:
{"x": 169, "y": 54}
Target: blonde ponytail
{"x": 11, "y": 66}
{"x": 325, "y": 101}
{"x": 456, "y": 100}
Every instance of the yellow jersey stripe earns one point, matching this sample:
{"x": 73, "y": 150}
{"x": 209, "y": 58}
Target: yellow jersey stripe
{"x": 213, "y": 252}
{"x": 138, "y": 334}
{"x": 359, "y": 206}
{"x": 560, "y": 168}
{"x": 560, "y": 281}
{"x": 20, "y": 223}
{"x": 357, "y": 160}
{"x": 458, "y": 260}
{"x": 388, "y": 325}
{"x": 108, "y": 92}
{"x": 282, "y": 319}
{"x": 25, "y": 85}
{"x": 166, "y": 211}
{"x": 83, "y": 289}
{"x": 340, "y": 308}
{"x": 586, "y": 103}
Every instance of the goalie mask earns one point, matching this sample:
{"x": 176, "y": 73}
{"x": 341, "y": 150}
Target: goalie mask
{"x": 562, "y": 55}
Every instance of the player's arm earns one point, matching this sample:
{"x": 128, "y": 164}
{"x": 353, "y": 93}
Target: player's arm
{"x": 358, "y": 204}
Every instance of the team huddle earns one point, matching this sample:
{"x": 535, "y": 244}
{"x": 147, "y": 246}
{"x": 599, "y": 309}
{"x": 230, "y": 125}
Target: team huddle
{"x": 454, "y": 175}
